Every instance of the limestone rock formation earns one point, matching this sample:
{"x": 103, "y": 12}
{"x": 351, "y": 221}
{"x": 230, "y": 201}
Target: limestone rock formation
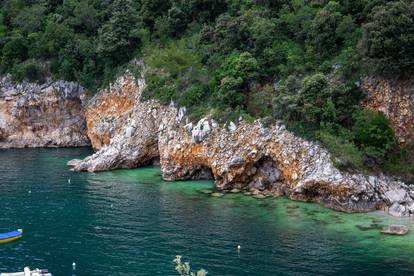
{"x": 106, "y": 113}
{"x": 271, "y": 160}
{"x": 249, "y": 157}
{"x": 396, "y": 100}
{"x": 124, "y": 129}
{"x": 47, "y": 115}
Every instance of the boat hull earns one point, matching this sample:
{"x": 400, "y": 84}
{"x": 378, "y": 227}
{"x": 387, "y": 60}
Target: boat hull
{"x": 11, "y": 236}
{"x": 11, "y": 239}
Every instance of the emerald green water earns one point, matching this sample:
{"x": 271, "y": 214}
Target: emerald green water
{"x": 130, "y": 222}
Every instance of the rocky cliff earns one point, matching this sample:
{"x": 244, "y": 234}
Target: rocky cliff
{"x": 251, "y": 157}
{"x": 395, "y": 98}
{"x": 269, "y": 160}
{"x": 107, "y": 112}
{"x": 47, "y": 115}
{"x": 124, "y": 129}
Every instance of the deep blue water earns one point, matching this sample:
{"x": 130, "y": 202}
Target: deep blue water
{"x": 130, "y": 222}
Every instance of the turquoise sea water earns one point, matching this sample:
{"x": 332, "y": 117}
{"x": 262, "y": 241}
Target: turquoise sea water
{"x": 130, "y": 222}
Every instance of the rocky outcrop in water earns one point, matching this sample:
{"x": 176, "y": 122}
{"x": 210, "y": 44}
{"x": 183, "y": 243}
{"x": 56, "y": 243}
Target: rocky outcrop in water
{"x": 270, "y": 160}
{"x": 263, "y": 160}
{"x": 47, "y": 115}
{"x": 108, "y": 111}
{"x": 122, "y": 127}
{"x": 395, "y": 98}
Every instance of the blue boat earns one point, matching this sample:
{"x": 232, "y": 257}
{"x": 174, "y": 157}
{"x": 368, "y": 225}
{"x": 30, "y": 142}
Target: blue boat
{"x": 11, "y": 236}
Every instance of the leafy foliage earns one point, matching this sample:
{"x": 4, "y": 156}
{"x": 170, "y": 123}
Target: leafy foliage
{"x": 296, "y": 61}
{"x": 388, "y": 41}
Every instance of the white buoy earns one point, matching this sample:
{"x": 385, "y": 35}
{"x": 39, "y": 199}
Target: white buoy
{"x": 69, "y": 181}
{"x": 74, "y": 266}
{"x": 112, "y": 205}
{"x": 30, "y": 192}
{"x": 238, "y": 247}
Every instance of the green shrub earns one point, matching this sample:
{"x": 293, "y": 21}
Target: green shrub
{"x": 31, "y": 70}
{"x": 401, "y": 162}
{"x": 372, "y": 129}
{"x": 373, "y": 134}
{"x": 232, "y": 79}
{"x": 345, "y": 154}
{"x": 260, "y": 102}
{"x": 175, "y": 73}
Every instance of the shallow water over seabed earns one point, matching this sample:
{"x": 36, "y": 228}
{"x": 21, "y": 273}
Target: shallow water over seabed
{"x": 130, "y": 222}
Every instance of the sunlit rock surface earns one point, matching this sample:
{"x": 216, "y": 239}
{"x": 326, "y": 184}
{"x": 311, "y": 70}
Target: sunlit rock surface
{"x": 46, "y": 115}
{"x": 254, "y": 158}
{"x": 270, "y": 160}
{"x": 108, "y": 111}
{"x": 122, "y": 128}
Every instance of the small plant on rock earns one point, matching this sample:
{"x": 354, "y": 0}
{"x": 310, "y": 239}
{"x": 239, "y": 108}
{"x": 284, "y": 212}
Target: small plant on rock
{"x": 185, "y": 270}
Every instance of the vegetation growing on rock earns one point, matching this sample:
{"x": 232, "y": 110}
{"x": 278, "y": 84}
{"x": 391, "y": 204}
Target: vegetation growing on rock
{"x": 297, "y": 61}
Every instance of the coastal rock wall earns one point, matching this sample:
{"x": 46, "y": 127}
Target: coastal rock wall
{"x": 47, "y": 115}
{"x": 106, "y": 113}
{"x": 272, "y": 161}
{"x": 396, "y": 100}
{"x": 124, "y": 129}
{"x": 253, "y": 157}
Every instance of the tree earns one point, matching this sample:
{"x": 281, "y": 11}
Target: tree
{"x": 373, "y": 134}
{"x": 119, "y": 37}
{"x": 30, "y": 19}
{"x": 152, "y": 9}
{"x": 322, "y": 33}
{"x": 14, "y": 51}
{"x": 388, "y": 38}
{"x": 233, "y": 78}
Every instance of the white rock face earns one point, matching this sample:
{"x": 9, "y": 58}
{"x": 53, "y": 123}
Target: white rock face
{"x": 201, "y": 131}
{"x": 397, "y": 195}
{"x": 130, "y": 131}
{"x": 232, "y": 127}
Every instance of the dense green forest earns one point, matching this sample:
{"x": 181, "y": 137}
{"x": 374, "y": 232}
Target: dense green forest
{"x": 298, "y": 61}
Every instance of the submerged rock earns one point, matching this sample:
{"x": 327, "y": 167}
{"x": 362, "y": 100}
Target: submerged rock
{"x": 368, "y": 226}
{"x": 395, "y": 230}
{"x": 260, "y": 196}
